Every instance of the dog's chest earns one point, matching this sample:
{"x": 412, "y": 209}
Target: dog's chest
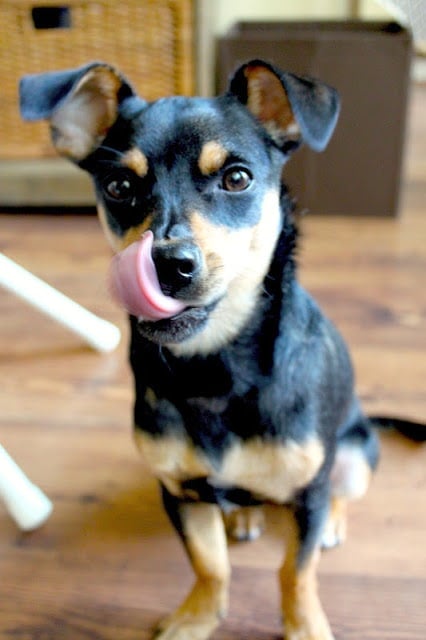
{"x": 270, "y": 471}
{"x": 222, "y": 437}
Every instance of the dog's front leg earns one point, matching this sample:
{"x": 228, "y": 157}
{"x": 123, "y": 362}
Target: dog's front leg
{"x": 201, "y": 528}
{"x": 304, "y": 618}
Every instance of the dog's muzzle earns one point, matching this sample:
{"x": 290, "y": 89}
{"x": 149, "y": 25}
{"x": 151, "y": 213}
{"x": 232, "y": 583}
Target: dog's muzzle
{"x": 147, "y": 283}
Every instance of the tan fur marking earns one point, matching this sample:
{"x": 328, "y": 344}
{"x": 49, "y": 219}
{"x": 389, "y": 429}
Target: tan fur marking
{"x": 212, "y": 158}
{"x": 270, "y": 471}
{"x": 268, "y": 101}
{"x": 151, "y": 398}
{"x": 207, "y": 602}
{"x": 304, "y": 618}
{"x": 171, "y": 459}
{"x": 203, "y": 526}
{"x": 218, "y": 244}
{"x": 237, "y": 262}
{"x": 135, "y": 233}
{"x": 118, "y": 243}
{"x": 135, "y": 160}
{"x": 336, "y": 526}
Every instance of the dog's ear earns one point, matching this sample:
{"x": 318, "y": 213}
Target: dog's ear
{"x": 81, "y": 105}
{"x": 292, "y": 109}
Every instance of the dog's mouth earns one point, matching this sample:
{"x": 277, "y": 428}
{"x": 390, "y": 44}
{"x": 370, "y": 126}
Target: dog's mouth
{"x": 134, "y": 284}
{"x": 177, "y": 328}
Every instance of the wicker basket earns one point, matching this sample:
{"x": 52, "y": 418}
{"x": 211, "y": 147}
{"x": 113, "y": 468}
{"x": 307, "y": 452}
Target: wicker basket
{"x": 150, "y": 41}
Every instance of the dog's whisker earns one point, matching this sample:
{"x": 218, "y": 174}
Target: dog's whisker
{"x": 114, "y": 152}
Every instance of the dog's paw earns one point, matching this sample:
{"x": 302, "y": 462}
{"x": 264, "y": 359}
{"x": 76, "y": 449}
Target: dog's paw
{"x": 245, "y": 524}
{"x": 303, "y": 635}
{"x": 318, "y": 631}
{"x": 199, "y": 615}
{"x": 303, "y": 616}
{"x": 178, "y": 627}
{"x": 335, "y": 528}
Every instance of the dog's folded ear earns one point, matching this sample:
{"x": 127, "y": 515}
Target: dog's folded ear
{"x": 81, "y": 105}
{"x": 291, "y": 108}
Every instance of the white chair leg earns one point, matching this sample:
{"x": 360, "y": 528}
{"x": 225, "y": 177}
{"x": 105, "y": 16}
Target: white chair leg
{"x": 99, "y": 333}
{"x": 25, "y": 502}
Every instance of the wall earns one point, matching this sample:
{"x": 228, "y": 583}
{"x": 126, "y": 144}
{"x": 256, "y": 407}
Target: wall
{"x": 225, "y": 12}
{"x": 215, "y": 17}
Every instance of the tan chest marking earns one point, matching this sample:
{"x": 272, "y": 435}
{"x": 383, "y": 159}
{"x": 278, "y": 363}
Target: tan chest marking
{"x": 172, "y": 460}
{"x": 270, "y": 471}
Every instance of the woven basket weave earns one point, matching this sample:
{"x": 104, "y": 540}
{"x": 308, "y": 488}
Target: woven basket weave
{"x": 150, "y": 41}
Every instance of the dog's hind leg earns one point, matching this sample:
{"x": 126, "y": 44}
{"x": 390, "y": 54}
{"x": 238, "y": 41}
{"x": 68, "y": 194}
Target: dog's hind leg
{"x": 202, "y": 530}
{"x": 304, "y": 617}
{"x": 245, "y": 523}
{"x": 356, "y": 458}
{"x": 335, "y": 528}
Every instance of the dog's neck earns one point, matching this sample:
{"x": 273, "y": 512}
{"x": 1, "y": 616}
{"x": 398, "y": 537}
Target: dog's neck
{"x": 276, "y": 288}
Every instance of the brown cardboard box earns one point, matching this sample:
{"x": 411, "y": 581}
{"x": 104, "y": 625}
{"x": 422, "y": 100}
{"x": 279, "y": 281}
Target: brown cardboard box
{"x": 369, "y": 63}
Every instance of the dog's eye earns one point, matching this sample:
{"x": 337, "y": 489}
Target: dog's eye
{"x": 236, "y": 179}
{"x": 120, "y": 189}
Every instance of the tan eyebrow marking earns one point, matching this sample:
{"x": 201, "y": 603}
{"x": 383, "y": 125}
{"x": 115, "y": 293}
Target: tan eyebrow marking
{"x": 212, "y": 157}
{"x": 135, "y": 160}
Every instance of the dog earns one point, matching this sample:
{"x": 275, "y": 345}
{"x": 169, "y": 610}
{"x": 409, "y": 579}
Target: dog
{"x": 244, "y": 390}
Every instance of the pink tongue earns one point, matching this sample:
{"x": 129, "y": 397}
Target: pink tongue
{"x": 134, "y": 283}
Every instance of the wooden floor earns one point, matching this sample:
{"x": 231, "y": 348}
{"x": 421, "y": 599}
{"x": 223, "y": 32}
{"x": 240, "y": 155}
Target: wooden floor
{"x": 107, "y": 566}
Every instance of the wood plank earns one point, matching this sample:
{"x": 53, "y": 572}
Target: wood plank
{"x": 43, "y": 182}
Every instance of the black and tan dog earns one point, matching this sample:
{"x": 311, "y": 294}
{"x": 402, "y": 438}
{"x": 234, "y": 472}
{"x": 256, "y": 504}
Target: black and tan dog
{"x": 244, "y": 390}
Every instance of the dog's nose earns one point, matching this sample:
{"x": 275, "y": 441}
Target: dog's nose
{"x": 177, "y": 264}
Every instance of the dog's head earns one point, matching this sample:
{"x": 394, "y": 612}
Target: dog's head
{"x": 188, "y": 189}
